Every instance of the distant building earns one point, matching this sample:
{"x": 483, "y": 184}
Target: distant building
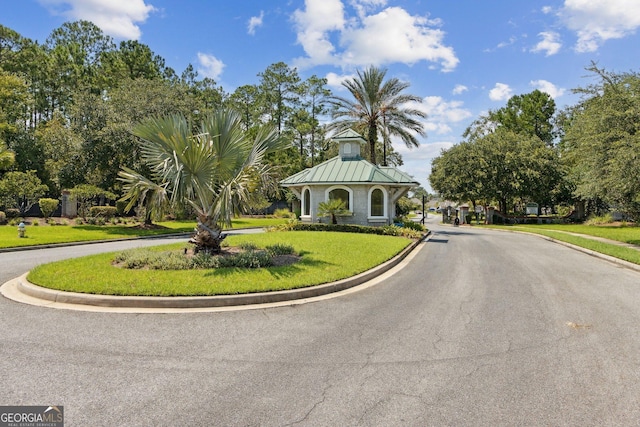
{"x": 370, "y": 192}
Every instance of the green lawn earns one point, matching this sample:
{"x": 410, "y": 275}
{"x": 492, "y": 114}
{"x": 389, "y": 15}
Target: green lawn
{"x": 559, "y": 232}
{"x": 326, "y": 257}
{"x": 626, "y": 234}
{"x": 46, "y": 234}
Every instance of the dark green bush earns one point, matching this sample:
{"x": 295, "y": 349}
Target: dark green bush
{"x": 121, "y": 206}
{"x": 386, "y": 230}
{"x": 12, "y": 213}
{"x": 413, "y": 225}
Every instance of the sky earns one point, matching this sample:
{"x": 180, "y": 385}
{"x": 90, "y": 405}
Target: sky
{"x": 463, "y": 57}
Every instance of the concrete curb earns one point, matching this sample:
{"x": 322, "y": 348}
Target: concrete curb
{"x": 609, "y": 258}
{"x": 55, "y": 296}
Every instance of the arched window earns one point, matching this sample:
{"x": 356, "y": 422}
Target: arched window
{"x": 341, "y": 193}
{"x": 306, "y": 202}
{"x": 377, "y": 202}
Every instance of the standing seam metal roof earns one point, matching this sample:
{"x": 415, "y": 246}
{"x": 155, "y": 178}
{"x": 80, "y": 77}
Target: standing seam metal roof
{"x": 337, "y": 170}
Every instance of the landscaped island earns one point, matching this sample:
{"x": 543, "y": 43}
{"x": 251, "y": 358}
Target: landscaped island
{"x": 325, "y": 257}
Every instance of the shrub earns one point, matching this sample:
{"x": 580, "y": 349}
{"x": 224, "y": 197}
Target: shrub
{"x": 52, "y": 222}
{"x": 600, "y": 220}
{"x": 176, "y": 260}
{"x": 15, "y": 221}
{"x": 79, "y": 221}
{"x": 48, "y": 206}
{"x": 283, "y": 213}
{"x": 249, "y": 259}
{"x": 96, "y": 220}
{"x": 12, "y": 213}
{"x": 280, "y": 249}
{"x": 106, "y": 212}
{"x": 248, "y": 246}
{"x": 121, "y": 206}
{"x": 413, "y": 225}
{"x": 385, "y": 230}
{"x": 3, "y": 218}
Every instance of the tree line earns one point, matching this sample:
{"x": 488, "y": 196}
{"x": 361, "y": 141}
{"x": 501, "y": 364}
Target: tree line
{"x": 584, "y": 157}
{"x": 68, "y": 108}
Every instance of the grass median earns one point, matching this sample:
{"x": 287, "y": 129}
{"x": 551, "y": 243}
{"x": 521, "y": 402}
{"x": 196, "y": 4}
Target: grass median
{"x": 48, "y": 234}
{"x": 326, "y": 257}
{"x": 624, "y": 234}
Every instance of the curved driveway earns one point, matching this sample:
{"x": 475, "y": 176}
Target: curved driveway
{"x": 481, "y": 328}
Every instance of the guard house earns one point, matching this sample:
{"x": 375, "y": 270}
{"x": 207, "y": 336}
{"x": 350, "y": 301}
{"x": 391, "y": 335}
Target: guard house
{"x": 370, "y": 192}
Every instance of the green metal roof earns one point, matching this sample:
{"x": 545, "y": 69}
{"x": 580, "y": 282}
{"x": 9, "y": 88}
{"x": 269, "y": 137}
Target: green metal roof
{"x": 398, "y": 175}
{"x": 354, "y": 170}
{"x": 348, "y": 134}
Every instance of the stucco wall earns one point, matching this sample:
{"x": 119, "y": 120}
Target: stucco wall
{"x": 359, "y": 208}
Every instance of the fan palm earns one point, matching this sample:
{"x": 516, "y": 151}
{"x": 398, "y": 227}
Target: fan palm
{"x": 333, "y": 208}
{"x": 214, "y": 171}
{"x": 378, "y": 107}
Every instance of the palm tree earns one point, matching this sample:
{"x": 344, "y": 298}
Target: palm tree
{"x": 215, "y": 171}
{"x": 333, "y": 208}
{"x": 378, "y": 106}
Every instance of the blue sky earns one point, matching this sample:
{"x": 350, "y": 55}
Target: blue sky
{"x": 462, "y": 57}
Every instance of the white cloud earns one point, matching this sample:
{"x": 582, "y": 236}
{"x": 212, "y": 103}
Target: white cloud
{"x": 364, "y": 6}
{"x": 210, "y": 66}
{"x": 391, "y": 35}
{"x": 255, "y": 22}
{"x": 549, "y": 44}
{"x": 459, "y": 89}
{"x": 547, "y": 10}
{"x": 334, "y": 81}
{"x": 596, "y": 21}
{"x": 442, "y": 113}
{"x": 395, "y": 36}
{"x": 502, "y": 45}
{"x": 117, "y": 18}
{"x": 314, "y": 25}
{"x": 547, "y": 87}
{"x": 500, "y": 92}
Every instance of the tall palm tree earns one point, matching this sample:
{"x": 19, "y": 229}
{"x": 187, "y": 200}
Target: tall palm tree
{"x": 378, "y": 107}
{"x": 214, "y": 171}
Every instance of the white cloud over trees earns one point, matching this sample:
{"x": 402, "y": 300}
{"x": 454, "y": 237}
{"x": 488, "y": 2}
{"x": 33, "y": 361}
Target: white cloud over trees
{"x": 210, "y": 66}
{"x": 500, "y": 92}
{"x": 596, "y": 21}
{"x": 117, "y": 18}
{"x": 330, "y": 36}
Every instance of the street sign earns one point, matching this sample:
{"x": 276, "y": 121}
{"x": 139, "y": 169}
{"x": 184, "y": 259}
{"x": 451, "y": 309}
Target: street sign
{"x": 532, "y": 209}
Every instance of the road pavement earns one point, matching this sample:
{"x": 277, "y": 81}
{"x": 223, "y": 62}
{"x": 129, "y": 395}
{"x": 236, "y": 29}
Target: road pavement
{"x": 481, "y": 328}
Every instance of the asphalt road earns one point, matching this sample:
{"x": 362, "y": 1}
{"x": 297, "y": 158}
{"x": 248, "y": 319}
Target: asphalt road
{"x": 482, "y": 328}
